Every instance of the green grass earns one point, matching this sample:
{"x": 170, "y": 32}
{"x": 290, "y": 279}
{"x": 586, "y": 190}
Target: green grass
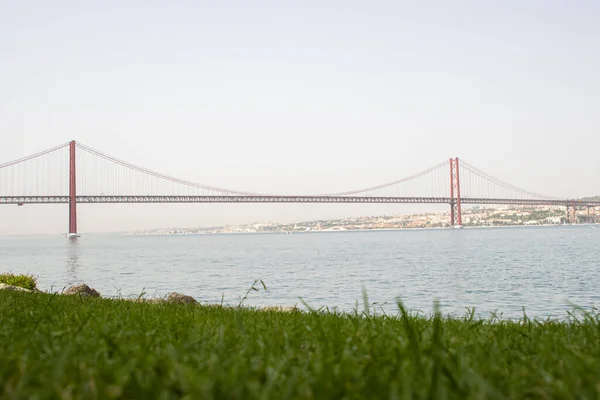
{"x": 90, "y": 348}
{"x": 24, "y": 281}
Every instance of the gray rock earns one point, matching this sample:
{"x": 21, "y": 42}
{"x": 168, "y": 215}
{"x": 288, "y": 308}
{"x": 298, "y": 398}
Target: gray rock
{"x": 181, "y": 299}
{"x": 4, "y": 286}
{"x": 133, "y": 299}
{"x": 82, "y": 290}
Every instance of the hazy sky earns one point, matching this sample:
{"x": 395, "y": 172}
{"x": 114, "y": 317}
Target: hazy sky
{"x": 300, "y": 96}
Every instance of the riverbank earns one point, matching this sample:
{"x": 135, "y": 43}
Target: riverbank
{"x": 333, "y": 230}
{"x": 208, "y": 233}
{"x": 85, "y": 347}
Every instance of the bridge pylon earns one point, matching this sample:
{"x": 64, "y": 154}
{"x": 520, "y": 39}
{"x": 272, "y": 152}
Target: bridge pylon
{"x": 72, "y": 191}
{"x": 455, "y": 207}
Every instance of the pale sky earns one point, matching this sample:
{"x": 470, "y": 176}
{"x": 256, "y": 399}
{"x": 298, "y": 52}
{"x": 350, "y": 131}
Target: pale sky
{"x": 300, "y": 97}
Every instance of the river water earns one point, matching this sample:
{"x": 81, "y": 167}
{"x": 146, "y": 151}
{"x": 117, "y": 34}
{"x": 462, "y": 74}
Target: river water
{"x": 546, "y": 270}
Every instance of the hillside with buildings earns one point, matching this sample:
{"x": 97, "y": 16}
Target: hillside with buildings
{"x": 472, "y": 217}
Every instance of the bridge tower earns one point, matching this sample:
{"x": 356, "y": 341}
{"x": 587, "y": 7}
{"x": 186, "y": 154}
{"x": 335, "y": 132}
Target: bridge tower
{"x": 455, "y": 208}
{"x": 72, "y": 191}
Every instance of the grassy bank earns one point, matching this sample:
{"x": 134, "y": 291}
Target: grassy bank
{"x": 28, "y": 282}
{"x": 69, "y": 347}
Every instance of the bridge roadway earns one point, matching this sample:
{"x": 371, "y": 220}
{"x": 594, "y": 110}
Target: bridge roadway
{"x": 21, "y": 200}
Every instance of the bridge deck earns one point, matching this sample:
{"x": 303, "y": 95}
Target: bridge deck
{"x": 288, "y": 199}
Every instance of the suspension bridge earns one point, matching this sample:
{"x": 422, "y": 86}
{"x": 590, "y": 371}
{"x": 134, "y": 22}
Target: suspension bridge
{"x": 73, "y": 173}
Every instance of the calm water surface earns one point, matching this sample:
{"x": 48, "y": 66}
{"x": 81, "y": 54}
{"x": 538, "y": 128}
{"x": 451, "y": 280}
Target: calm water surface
{"x": 544, "y": 269}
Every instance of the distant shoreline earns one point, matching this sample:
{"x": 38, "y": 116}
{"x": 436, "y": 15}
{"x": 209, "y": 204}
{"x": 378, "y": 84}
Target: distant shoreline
{"x": 293, "y": 232}
{"x": 345, "y": 230}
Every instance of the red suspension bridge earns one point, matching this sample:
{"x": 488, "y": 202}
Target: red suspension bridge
{"x": 73, "y": 173}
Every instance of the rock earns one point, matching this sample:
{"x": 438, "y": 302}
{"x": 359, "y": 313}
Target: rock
{"x": 4, "y": 286}
{"x": 133, "y": 299}
{"x": 82, "y": 290}
{"x": 181, "y": 299}
{"x": 156, "y": 300}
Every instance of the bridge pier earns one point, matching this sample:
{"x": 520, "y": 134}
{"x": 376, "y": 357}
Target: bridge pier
{"x": 572, "y": 213}
{"x": 72, "y": 191}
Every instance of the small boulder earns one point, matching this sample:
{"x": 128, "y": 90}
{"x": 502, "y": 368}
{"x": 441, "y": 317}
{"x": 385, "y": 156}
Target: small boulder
{"x": 4, "y": 286}
{"x": 181, "y": 299}
{"x": 156, "y": 300}
{"x": 82, "y": 290}
{"x": 133, "y": 299}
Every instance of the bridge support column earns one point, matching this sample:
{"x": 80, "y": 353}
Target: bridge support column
{"x": 455, "y": 207}
{"x": 72, "y": 191}
{"x": 571, "y": 214}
